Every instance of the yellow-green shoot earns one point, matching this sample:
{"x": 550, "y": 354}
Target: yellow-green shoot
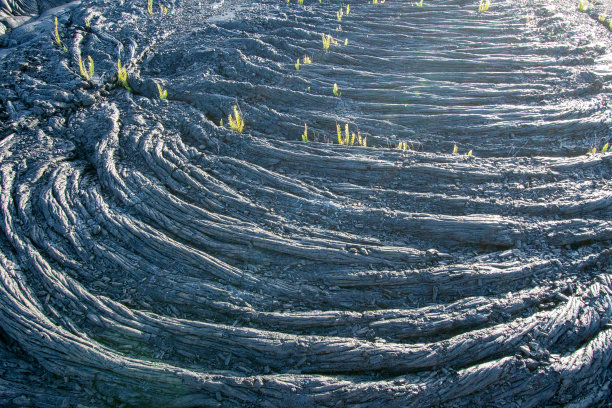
{"x": 163, "y": 8}
{"x": 150, "y": 6}
{"x": 455, "y": 149}
{"x": 348, "y": 9}
{"x": 326, "y": 41}
{"x": 602, "y": 17}
{"x": 402, "y": 146}
{"x": 336, "y": 92}
{"x": 605, "y": 147}
{"x": 307, "y": 60}
{"x": 305, "y": 134}
{"x": 419, "y": 4}
{"x": 57, "y": 37}
{"x": 339, "y": 14}
{"x": 469, "y": 154}
{"x": 297, "y": 65}
{"x": 583, "y": 5}
{"x": 163, "y": 93}
{"x": 484, "y": 5}
{"x": 87, "y": 74}
{"x": 236, "y": 123}
{"x": 122, "y": 76}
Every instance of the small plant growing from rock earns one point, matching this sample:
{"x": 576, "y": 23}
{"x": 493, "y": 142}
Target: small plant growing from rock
{"x": 122, "y": 76}
{"x": 340, "y": 14}
{"x": 305, "y": 134}
{"x": 297, "y": 65}
{"x": 163, "y": 93}
{"x": 419, "y": 4}
{"x": 402, "y": 146}
{"x": 236, "y": 123}
{"x": 336, "y": 92}
{"x": 150, "y": 6}
{"x": 326, "y": 41}
{"x": 602, "y": 17}
{"x": 87, "y": 74}
{"x": 583, "y": 5}
{"x": 484, "y": 5}
{"x": 307, "y": 60}
{"x": 57, "y": 38}
{"x": 455, "y": 149}
{"x": 348, "y": 9}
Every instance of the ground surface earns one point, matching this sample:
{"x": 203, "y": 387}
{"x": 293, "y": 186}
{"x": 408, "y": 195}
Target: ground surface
{"x": 151, "y": 257}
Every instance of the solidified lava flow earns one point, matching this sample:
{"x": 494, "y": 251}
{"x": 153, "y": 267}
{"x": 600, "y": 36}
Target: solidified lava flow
{"x": 151, "y": 256}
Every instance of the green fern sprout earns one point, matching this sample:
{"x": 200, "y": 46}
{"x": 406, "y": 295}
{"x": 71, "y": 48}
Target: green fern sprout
{"x": 348, "y": 9}
{"x": 57, "y": 37}
{"x": 484, "y": 5}
{"x": 583, "y": 5}
{"x": 602, "y": 17}
{"x": 402, "y": 146}
{"x": 301, "y": 2}
{"x": 305, "y": 134}
{"x": 469, "y": 154}
{"x": 122, "y": 76}
{"x": 163, "y": 93}
{"x": 419, "y": 4}
{"x": 164, "y": 9}
{"x": 339, "y": 14}
{"x": 307, "y": 60}
{"x": 236, "y": 123}
{"x": 150, "y": 6}
{"x": 87, "y": 74}
{"x": 326, "y": 41}
{"x": 345, "y": 42}
{"x": 605, "y": 147}
{"x": 297, "y": 65}
{"x": 336, "y": 92}
{"x": 455, "y": 149}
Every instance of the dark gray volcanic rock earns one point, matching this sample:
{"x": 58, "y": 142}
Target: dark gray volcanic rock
{"x": 152, "y": 257}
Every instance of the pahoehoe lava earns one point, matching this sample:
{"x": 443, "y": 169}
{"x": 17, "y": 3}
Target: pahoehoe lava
{"x": 150, "y": 256}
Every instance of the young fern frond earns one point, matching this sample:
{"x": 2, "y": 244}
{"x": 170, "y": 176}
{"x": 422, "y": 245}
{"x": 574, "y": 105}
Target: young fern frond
{"x": 469, "y": 154}
{"x": 339, "y": 131}
{"x": 455, "y": 149}
{"x": 484, "y": 5}
{"x": 362, "y": 142}
{"x": 150, "y": 6}
{"x": 326, "y": 41}
{"x": 305, "y": 134}
{"x": 87, "y": 74}
{"x": 307, "y": 60}
{"x": 336, "y": 92}
{"x": 602, "y": 17}
{"x": 605, "y": 147}
{"x": 583, "y": 5}
{"x": 91, "y": 66}
{"x": 340, "y": 14}
{"x": 297, "y": 65}
{"x": 236, "y": 123}
{"x": 122, "y": 75}
{"x": 163, "y": 93}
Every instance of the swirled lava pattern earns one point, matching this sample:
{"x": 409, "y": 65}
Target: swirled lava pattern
{"x": 152, "y": 256}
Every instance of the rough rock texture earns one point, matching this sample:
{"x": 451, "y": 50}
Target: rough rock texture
{"x": 151, "y": 257}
